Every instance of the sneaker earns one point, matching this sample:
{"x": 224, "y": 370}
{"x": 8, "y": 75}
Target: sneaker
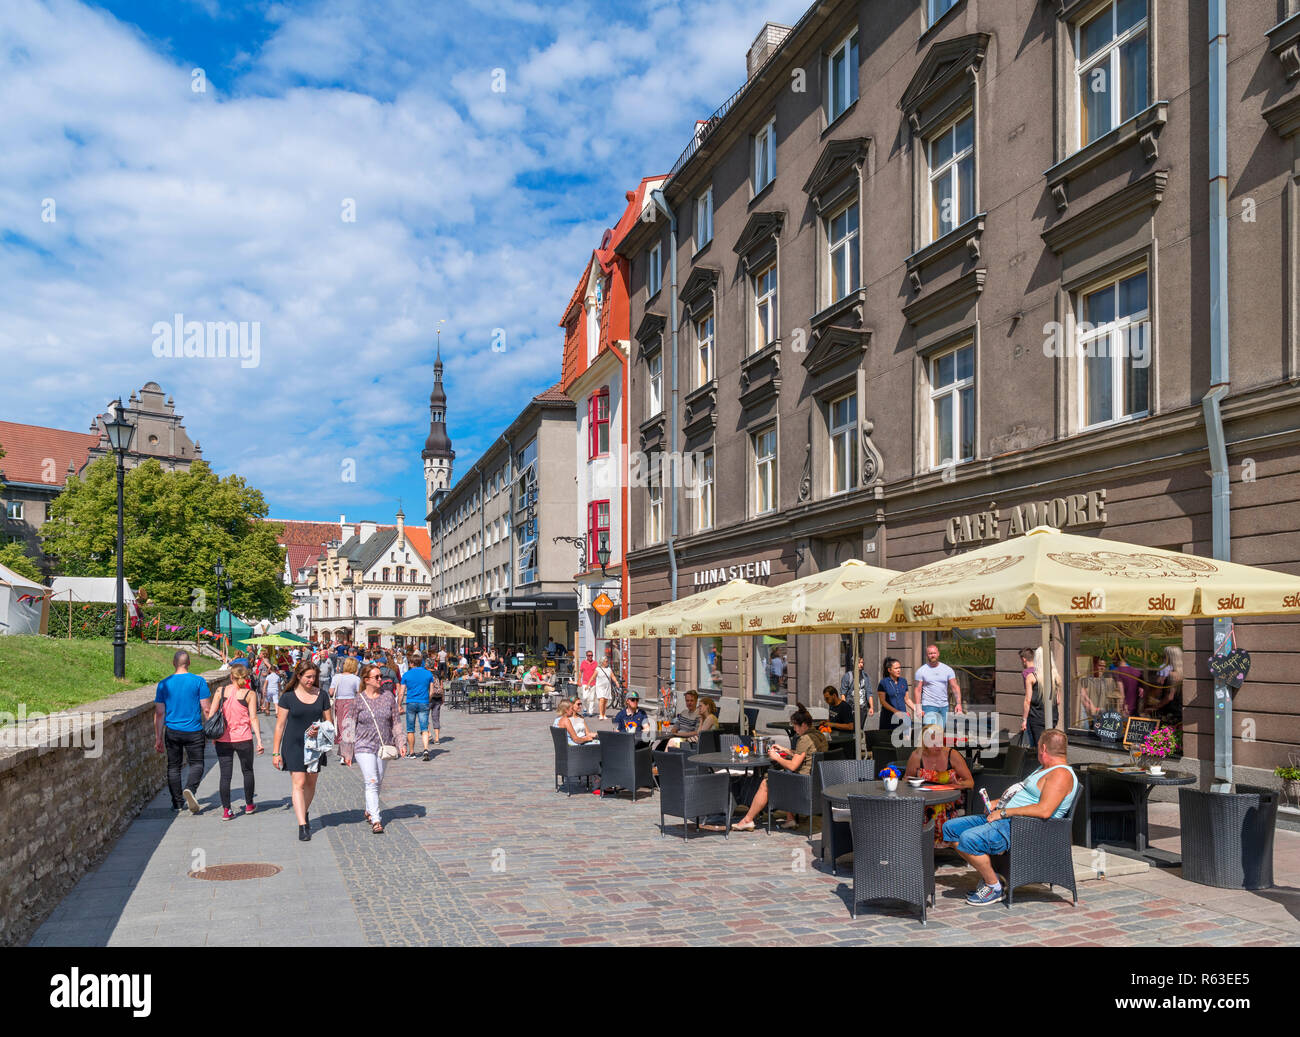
{"x": 788, "y": 824}
{"x": 226, "y": 814}
{"x": 191, "y": 801}
{"x": 249, "y": 808}
{"x": 426, "y": 756}
{"x": 985, "y": 895}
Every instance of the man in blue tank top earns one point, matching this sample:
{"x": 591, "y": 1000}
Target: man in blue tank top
{"x": 1047, "y": 793}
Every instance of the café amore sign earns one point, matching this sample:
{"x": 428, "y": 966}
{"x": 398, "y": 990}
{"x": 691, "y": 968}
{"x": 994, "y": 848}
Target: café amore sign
{"x": 1079, "y": 509}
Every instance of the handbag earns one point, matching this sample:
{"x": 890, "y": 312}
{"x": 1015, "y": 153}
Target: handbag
{"x": 215, "y": 726}
{"x": 386, "y": 751}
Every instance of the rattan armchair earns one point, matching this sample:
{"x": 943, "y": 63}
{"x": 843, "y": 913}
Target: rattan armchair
{"x": 1041, "y": 851}
{"x": 690, "y": 796}
{"x": 624, "y": 763}
{"x": 893, "y": 851}
{"x": 1227, "y": 838}
{"x": 573, "y": 761}
{"x": 837, "y": 836}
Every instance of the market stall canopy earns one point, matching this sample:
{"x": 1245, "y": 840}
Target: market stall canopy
{"x": 273, "y": 641}
{"x": 427, "y": 626}
{"x": 686, "y": 617}
{"x": 849, "y": 597}
{"x": 23, "y": 606}
{"x": 1080, "y": 579}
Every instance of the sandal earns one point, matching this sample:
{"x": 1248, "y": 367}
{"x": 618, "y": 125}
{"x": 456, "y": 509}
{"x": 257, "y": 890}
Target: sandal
{"x": 743, "y": 826}
{"x": 377, "y": 828}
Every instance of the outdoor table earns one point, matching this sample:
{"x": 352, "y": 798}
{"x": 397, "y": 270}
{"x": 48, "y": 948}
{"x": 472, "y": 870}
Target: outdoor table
{"x": 836, "y": 738}
{"x": 839, "y": 795}
{"x": 725, "y": 761}
{"x": 1140, "y": 784}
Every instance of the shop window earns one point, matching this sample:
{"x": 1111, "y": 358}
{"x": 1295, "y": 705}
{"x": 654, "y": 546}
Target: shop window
{"x": 972, "y": 654}
{"x": 709, "y": 667}
{"x": 1134, "y": 669}
{"x": 771, "y": 666}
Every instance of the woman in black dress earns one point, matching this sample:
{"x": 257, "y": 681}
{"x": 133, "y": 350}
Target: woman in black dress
{"x": 303, "y": 705}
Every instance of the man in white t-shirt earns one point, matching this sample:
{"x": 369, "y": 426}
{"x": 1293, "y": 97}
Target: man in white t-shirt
{"x": 932, "y": 683}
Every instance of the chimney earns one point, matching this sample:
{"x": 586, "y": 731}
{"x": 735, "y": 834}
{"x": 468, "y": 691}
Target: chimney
{"x": 345, "y": 527}
{"x": 401, "y": 528}
{"x": 765, "y": 43}
{"x": 367, "y": 529}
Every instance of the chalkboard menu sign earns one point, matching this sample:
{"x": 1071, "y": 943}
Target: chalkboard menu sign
{"x": 1108, "y": 725}
{"x": 1137, "y": 728}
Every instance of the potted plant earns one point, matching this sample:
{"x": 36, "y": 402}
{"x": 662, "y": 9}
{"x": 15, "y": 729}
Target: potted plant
{"x": 1290, "y": 782}
{"x": 1158, "y": 746}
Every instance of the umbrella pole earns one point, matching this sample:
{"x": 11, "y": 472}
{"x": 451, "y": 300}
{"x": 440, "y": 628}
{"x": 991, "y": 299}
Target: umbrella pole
{"x": 1045, "y": 678}
{"x": 856, "y": 693}
{"x": 740, "y": 685}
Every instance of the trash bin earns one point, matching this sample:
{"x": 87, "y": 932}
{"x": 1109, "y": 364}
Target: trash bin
{"x": 1227, "y": 837}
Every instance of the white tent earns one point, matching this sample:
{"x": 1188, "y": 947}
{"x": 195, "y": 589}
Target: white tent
{"x": 94, "y": 589}
{"x": 22, "y": 604}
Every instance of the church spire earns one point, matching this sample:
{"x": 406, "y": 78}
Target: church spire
{"x": 437, "y": 454}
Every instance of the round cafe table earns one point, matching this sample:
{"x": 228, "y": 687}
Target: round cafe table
{"x": 1140, "y": 784}
{"x": 839, "y": 794}
{"x": 725, "y": 762}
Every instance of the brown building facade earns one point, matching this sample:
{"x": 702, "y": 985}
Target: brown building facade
{"x": 946, "y": 267}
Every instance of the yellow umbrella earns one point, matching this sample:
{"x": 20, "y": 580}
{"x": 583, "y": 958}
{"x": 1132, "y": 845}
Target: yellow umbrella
{"x": 428, "y": 626}
{"x": 686, "y": 616}
{"x": 1050, "y": 573}
{"x": 840, "y": 600}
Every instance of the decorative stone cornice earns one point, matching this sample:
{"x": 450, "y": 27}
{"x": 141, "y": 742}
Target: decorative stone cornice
{"x": 1284, "y": 117}
{"x": 943, "y": 65}
{"x": 968, "y": 286}
{"x": 649, "y": 330}
{"x": 1143, "y": 129}
{"x": 967, "y": 235}
{"x": 761, "y": 229}
{"x": 1284, "y": 42}
{"x": 1145, "y": 193}
{"x": 839, "y": 159}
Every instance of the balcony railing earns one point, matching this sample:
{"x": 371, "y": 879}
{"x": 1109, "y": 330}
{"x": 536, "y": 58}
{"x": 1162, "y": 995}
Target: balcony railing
{"x": 704, "y": 129}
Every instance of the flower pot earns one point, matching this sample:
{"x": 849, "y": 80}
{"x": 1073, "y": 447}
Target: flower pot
{"x": 1292, "y": 790}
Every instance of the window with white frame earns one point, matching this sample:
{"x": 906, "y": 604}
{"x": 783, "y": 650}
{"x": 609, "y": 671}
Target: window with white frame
{"x": 952, "y": 176}
{"x": 764, "y": 307}
{"x": 765, "y": 470}
{"x": 936, "y": 9}
{"x": 654, "y": 531}
{"x": 654, "y": 276}
{"x": 1111, "y": 67}
{"x": 704, "y": 219}
{"x": 764, "y": 166}
{"x": 704, "y": 505}
{"x": 1114, "y": 350}
{"x": 842, "y": 243}
{"x": 14, "y": 509}
{"x": 704, "y": 350}
{"x": 841, "y": 78}
{"x": 655, "y": 385}
{"x": 952, "y": 406}
{"x": 844, "y": 443}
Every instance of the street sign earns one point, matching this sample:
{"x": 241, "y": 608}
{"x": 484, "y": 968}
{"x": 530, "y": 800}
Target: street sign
{"x": 602, "y": 603}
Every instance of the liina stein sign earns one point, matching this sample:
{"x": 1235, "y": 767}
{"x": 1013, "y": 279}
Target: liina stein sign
{"x": 1079, "y": 509}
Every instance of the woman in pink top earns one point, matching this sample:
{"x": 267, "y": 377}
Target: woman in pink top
{"x": 239, "y": 702}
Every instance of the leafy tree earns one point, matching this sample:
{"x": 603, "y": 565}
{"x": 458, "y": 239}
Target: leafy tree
{"x": 13, "y": 556}
{"x": 177, "y": 526}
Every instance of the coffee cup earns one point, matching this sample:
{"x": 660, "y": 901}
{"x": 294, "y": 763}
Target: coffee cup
{"x": 891, "y": 784}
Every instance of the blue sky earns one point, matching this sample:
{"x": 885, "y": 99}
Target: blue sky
{"x": 221, "y": 196}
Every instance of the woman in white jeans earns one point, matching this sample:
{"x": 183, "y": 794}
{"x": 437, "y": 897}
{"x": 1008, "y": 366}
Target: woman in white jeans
{"x": 379, "y": 723}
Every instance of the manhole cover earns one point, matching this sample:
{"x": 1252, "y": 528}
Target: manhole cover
{"x": 236, "y": 872}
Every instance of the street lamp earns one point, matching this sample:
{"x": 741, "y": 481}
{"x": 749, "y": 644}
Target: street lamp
{"x": 348, "y": 587}
{"x": 602, "y": 556}
{"x": 119, "y": 432}
{"x": 219, "y": 570}
{"x": 230, "y": 615}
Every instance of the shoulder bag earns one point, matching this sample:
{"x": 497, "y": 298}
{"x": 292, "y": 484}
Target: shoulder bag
{"x": 215, "y": 726}
{"x": 386, "y": 751}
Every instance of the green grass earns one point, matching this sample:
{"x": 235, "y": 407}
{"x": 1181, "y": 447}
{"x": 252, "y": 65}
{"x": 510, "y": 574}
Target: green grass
{"x": 49, "y": 674}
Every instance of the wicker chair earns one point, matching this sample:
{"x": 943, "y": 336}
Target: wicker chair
{"x": 624, "y": 763}
{"x": 837, "y": 837}
{"x": 1108, "y": 813}
{"x": 893, "y": 851}
{"x": 728, "y": 741}
{"x": 573, "y": 761}
{"x": 690, "y": 796}
{"x": 1040, "y": 852}
{"x": 709, "y": 742}
{"x": 798, "y": 793}
{"x": 1227, "y": 838}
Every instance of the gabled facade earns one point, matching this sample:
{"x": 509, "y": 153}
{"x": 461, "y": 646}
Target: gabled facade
{"x": 597, "y": 338}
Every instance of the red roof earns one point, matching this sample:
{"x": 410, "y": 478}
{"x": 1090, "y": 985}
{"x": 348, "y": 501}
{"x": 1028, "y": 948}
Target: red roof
{"x": 418, "y": 538}
{"x": 309, "y": 533}
{"x": 555, "y": 392}
{"x": 29, "y": 449}
{"x": 305, "y": 541}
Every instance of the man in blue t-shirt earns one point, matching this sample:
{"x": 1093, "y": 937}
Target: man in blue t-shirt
{"x": 415, "y": 689}
{"x": 180, "y": 703}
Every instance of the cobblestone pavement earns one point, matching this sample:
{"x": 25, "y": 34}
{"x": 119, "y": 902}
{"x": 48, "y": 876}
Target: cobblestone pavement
{"x": 479, "y": 850}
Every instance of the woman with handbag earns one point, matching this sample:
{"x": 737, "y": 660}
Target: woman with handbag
{"x": 379, "y": 728}
{"x": 304, "y": 705}
{"x": 605, "y": 683}
{"x": 238, "y": 731}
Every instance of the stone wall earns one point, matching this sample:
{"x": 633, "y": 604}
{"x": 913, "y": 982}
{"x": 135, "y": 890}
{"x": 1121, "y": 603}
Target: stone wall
{"x": 63, "y": 805}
